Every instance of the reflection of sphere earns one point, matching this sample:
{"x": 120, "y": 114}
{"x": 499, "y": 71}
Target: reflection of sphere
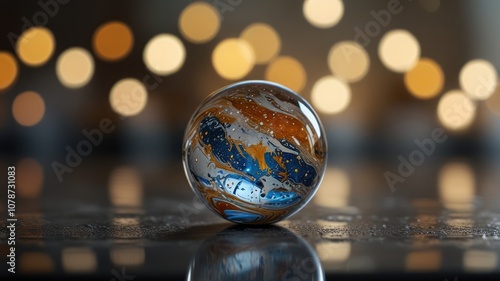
{"x": 239, "y": 253}
{"x": 254, "y": 152}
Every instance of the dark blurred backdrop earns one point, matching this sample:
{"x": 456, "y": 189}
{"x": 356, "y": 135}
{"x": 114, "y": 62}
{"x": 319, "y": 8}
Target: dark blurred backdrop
{"x": 381, "y": 74}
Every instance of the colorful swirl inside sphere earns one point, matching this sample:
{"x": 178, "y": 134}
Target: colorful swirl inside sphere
{"x": 254, "y": 152}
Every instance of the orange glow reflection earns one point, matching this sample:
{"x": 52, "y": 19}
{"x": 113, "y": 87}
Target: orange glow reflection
{"x": 457, "y": 186}
{"x": 128, "y": 255}
{"x": 125, "y": 187}
{"x": 79, "y": 260}
{"x": 423, "y": 261}
{"x": 334, "y": 189}
{"x": 333, "y": 252}
{"x": 480, "y": 260}
{"x": 30, "y": 180}
{"x": 35, "y": 263}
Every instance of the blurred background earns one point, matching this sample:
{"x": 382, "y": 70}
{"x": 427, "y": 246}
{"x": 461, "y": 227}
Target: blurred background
{"x": 381, "y": 75}
{"x": 95, "y": 97}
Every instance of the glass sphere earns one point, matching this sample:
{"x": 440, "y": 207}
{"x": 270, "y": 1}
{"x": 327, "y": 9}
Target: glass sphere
{"x": 254, "y": 152}
{"x": 249, "y": 253}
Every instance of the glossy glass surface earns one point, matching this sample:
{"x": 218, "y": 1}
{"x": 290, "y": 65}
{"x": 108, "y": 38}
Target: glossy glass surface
{"x": 254, "y": 152}
{"x": 272, "y": 253}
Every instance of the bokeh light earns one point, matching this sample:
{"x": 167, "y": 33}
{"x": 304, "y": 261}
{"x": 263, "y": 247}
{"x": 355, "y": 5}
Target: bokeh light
{"x": 35, "y": 46}
{"x": 128, "y": 97}
{"x": 36, "y": 263}
{"x": 288, "y": 72}
{"x": 113, "y": 41}
{"x": 128, "y": 255}
{"x": 480, "y": 261}
{"x": 478, "y": 79}
{"x": 164, "y": 54}
{"x": 457, "y": 186}
{"x": 8, "y": 70}
{"x": 456, "y": 111}
{"x": 493, "y": 102}
{"x": 348, "y": 60}
{"x": 265, "y": 41}
{"x": 29, "y": 185}
{"x": 333, "y": 252}
{"x": 28, "y": 108}
{"x": 233, "y": 58}
{"x": 323, "y": 13}
{"x": 75, "y": 67}
{"x": 334, "y": 190}
{"x": 125, "y": 187}
{"x": 428, "y": 260}
{"x": 399, "y": 50}
{"x": 199, "y": 22}
{"x": 330, "y": 95}
{"x": 79, "y": 260}
{"x": 425, "y": 80}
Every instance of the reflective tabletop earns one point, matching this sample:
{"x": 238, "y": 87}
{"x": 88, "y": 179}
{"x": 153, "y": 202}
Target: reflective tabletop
{"x": 133, "y": 228}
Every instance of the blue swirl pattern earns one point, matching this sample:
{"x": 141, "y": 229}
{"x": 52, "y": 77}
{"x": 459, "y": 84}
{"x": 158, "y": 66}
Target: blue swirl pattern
{"x": 253, "y": 153}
